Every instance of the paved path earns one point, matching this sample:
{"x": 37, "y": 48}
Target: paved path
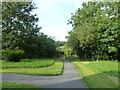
{"x": 69, "y": 79}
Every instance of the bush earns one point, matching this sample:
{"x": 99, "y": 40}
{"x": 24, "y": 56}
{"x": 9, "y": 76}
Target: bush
{"x": 14, "y": 55}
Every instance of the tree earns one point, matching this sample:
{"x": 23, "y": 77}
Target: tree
{"x": 96, "y": 30}
{"x": 20, "y": 29}
{"x": 18, "y": 23}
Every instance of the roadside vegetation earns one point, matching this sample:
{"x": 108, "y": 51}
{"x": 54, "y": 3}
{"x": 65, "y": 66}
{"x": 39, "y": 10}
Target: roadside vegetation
{"x": 95, "y": 39}
{"x": 29, "y": 63}
{"x": 17, "y": 85}
{"x": 98, "y": 74}
{"x": 54, "y": 69}
{"x": 95, "y": 34}
{"x": 22, "y": 38}
{"x": 93, "y": 44}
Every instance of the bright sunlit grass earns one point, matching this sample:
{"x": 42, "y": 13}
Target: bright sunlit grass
{"x": 28, "y": 63}
{"x": 54, "y": 69}
{"x": 17, "y": 85}
{"x": 98, "y": 74}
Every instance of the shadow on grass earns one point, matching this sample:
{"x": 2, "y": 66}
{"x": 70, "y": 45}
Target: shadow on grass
{"x": 37, "y": 59}
{"x": 26, "y": 61}
{"x": 97, "y": 81}
{"x": 93, "y": 82}
{"x": 103, "y": 80}
{"x": 108, "y": 79}
{"x": 113, "y": 73}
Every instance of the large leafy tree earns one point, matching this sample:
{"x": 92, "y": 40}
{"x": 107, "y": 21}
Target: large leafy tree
{"x": 18, "y": 23}
{"x": 20, "y": 29}
{"x": 96, "y": 28}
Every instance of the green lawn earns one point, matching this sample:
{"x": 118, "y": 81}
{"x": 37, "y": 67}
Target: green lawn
{"x": 28, "y": 63}
{"x": 98, "y": 74}
{"x": 55, "y": 69}
{"x": 17, "y": 85}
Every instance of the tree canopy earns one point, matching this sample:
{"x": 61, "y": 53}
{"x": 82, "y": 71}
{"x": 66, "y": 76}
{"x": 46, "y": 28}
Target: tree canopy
{"x": 20, "y": 29}
{"x": 96, "y": 31}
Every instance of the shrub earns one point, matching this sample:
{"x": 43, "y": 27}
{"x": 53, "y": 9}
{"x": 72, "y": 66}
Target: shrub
{"x": 14, "y": 55}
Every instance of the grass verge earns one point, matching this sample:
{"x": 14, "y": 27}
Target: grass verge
{"x": 55, "y": 69}
{"x": 98, "y": 74}
{"x": 17, "y": 85}
{"x": 28, "y": 63}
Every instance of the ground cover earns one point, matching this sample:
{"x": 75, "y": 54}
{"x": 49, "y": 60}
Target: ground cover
{"x": 28, "y": 63}
{"x": 98, "y": 74}
{"x": 54, "y": 69}
{"x": 17, "y": 85}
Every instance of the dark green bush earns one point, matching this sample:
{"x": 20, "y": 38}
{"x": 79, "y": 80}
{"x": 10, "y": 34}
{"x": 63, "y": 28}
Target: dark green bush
{"x": 14, "y": 55}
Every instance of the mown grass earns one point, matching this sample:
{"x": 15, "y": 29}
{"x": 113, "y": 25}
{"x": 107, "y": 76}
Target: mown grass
{"x": 98, "y": 74}
{"x": 28, "y": 63}
{"x": 17, "y": 85}
{"x": 55, "y": 69}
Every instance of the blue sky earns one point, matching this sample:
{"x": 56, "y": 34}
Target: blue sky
{"x": 54, "y": 15}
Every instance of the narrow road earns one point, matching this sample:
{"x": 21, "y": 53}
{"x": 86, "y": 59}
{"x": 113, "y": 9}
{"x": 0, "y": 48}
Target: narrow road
{"x": 69, "y": 79}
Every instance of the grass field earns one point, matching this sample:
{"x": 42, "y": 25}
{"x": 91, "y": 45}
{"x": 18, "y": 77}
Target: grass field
{"x": 17, "y": 85}
{"x": 98, "y": 74}
{"x": 28, "y": 63}
{"x": 54, "y": 69}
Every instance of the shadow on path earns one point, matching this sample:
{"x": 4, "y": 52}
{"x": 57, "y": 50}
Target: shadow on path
{"x": 69, "y": 79}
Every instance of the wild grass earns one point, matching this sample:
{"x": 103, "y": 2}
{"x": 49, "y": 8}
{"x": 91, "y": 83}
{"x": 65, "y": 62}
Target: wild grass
{"x": 55, "y": 69}
{"x": 98, "y": 74}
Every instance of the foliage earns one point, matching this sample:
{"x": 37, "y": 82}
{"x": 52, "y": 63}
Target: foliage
{"x": 63, "y": 48}
{"x": 39, "y": 47}
{"x": 14, "y": 55}
{"x": 60, "y": 43}
{"x": 18, "y": 23}
{"x": 72, "y": 58}
{"x": 96, "y": 31}
{"x": 68, "y": 50}
{"x": 20, "y": 29}
{"x": 55, "y": 69}
{"x": 98, "y": 74}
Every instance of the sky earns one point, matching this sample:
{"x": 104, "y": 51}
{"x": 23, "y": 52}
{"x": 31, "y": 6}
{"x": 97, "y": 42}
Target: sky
{"x": 54, "y": 15}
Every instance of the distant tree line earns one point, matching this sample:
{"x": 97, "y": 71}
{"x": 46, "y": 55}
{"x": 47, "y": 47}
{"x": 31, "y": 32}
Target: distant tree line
{"x": 59, "y": 46}
{"x": 20, "y": 29}
{"x": 96, "y": 31}
{"x": 60, "y": 43}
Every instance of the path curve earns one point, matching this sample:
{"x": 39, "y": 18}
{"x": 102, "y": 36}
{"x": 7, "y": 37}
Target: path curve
{"x": 69, "y": 79}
